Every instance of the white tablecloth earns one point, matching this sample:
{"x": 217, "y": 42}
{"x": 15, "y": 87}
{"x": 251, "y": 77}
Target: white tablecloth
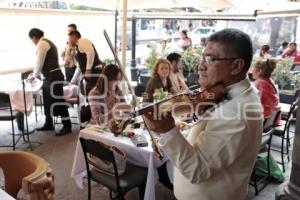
{"x": 141, "y": 156}
{"x": 5, "y": 196}
{"x": 285, "y": 108}
{"x": 15, "y": 90}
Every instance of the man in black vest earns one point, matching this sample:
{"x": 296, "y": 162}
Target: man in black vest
{"x": 47, "y": 64}
{"x": 87, "y": 58}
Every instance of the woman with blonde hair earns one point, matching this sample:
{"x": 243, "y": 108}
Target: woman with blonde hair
{"x": 268, "y": 93}
{"x": 159, "y": 80}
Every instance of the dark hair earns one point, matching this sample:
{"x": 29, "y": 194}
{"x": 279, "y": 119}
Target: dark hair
{"x": 203, "y": 40}
{"x": 73, "y": 26}
{"x": 111, "y": 72}
{"x": 76, "y": 33}
{"x": 184, "y": 32}
{"x": 235, "y": 43}
{"x": 173, "y": 57}
{"x": 284, "y": 43}
{"x": 263, "y": 49}
{"x": 35, "y": 32}
{"x": 293, "y": 43}
{"x": 266, "y": 66}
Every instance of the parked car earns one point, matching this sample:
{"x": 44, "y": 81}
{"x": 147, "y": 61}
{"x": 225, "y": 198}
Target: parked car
{"x": 200, "y": 32}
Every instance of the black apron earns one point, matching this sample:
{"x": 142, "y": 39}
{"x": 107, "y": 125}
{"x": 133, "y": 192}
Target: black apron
{"x": 53, "y": 95}
{"x": 82, "y": 60}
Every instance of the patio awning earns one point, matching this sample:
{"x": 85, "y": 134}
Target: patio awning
{"x": 142, "y": 4}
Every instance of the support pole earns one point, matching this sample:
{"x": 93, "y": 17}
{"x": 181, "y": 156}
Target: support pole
{"x": 116, "y": 31}
{"x": 134, "y": 70}
{"x": 124, "y": 31}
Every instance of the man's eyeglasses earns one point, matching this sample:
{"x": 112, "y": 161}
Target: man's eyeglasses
{"x": 206, "y": 59}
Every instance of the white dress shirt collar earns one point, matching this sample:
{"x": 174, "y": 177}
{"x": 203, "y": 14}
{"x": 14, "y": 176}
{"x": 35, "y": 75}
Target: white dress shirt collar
{"x": 237, "y": 88}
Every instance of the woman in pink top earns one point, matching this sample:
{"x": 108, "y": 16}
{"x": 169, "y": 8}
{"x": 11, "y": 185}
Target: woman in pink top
{"x": 267, "y": 91}
{"x": 184, "y": 42}
{"x": 291, "y": 51}
{"x": 105, "y": 95}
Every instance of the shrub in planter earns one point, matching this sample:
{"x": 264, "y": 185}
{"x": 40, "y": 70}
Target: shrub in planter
{"x": 190, "y": 59}
{"x": 282, "y": 75}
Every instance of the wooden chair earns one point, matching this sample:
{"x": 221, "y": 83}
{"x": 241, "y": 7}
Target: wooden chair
{"x": 134, "y": 176}
{"x": 26, "y": 171}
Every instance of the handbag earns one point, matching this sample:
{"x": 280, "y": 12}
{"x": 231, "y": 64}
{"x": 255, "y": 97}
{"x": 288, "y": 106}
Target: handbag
{"x": 107, "y": 167}
{"x": 275, "y": 172}
{"x": 85, "y": 110}
{"x": 85, "y": 113}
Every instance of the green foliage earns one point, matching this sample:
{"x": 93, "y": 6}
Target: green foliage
{"x": 159, "y": 94}
{"x": 83, "y": 7}
{"x": 190, "y": 58}
{"x": 296, "y": 80}
{"x": 78, "y": 7}
{"x": 282, "y": 74}
{"x": 150, "y": 61}
{"x": 107, "y": 61}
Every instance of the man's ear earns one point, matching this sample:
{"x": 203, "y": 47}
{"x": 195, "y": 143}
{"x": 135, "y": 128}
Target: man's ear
{"x": 238, "y": 66}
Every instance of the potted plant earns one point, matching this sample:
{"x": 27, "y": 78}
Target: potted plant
{"x": 150, "y": 60}
{"x": 190, "y": 60}
{"x": 287, "y": 80}
{"x": 282, "y": 74}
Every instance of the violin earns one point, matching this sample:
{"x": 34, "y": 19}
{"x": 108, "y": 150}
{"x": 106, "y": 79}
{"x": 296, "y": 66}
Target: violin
{"x": 186, "y": 103}
{"x": 200, "y": 100}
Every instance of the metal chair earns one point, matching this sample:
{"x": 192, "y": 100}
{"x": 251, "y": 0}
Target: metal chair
{"x": 192, "y": 80}
{"x": 283, "y": 133}
{"x": 8, "y": 114}
{"x": 144, "y": 80}
{"x": 139, "y": 90}
{"x": 286, "y": 106}
{"x": 134, "y": 176}
{"x": 259, "y": 182}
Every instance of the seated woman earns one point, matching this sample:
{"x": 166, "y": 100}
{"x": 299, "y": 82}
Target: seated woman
{"x": 160, "y": 79}
{"x": 267, "y": 91}
{"x": 103, "y": 97}
{"x": 264, "y": 53}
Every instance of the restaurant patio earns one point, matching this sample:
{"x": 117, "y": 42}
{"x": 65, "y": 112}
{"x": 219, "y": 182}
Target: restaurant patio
{"x": 58, "y": 162}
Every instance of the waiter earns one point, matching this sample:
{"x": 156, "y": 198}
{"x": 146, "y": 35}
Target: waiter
{"x": 68, "y": 56}
{"x": 47, "y": 64}
{"x": 87, "y": 58}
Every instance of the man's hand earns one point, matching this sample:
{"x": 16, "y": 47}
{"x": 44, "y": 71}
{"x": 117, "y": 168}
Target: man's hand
{"x": 87, "y": 73}
{"x": 160, "y": 125}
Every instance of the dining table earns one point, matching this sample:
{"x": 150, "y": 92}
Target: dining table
{"x": 140, "y": 156}
{"x": 20, "y": 91}
{"x": 5, "y": 196}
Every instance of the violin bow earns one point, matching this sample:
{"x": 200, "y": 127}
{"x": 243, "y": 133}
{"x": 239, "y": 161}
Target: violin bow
{"x": 135, "y": 100}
